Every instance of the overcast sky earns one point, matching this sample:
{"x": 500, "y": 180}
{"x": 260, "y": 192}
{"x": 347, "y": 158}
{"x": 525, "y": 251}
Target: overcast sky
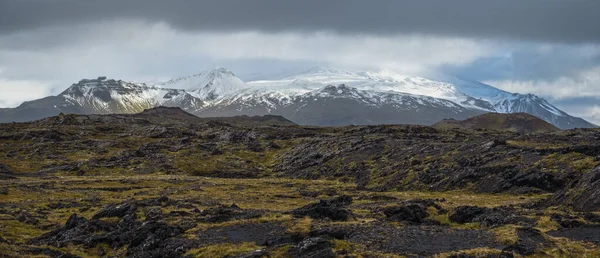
{"x": 547, "y": 47}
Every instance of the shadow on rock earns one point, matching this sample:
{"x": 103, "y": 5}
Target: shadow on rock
{"x": 227, "y": 213}
{"x": 418, "y": 239}
{"x": 6, "y": 173}
{"x": 412, "y": 211}
{"x": 587, "y": 233}
{"x": 488, "y": 217}
{"x": 529, "y": 240}
{"x": 315, "y": 247}
{"x": 334, "y": 209}
{"x": 581, "y": 194}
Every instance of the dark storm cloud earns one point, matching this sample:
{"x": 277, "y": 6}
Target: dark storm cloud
{"x": 542, "y": 20}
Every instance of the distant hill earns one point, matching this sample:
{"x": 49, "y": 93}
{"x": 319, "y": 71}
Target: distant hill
{"x": 161, "y": 115}
{"x": 517, "y": 122}
{"x": 252, "y": 120}
{"x": 167, "y": 115}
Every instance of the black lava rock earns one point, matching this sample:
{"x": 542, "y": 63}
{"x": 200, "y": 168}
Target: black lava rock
{"x": 118, "y": 211}
{"x": 314, "y": 247}
{"x": 333, "y": 209}
{"x": 488, "y": 217}
{"x": 411, "y": 212}
{"x": 529, "y": 239}
{"x": 226, "y": 213}
{"x": 466, "y": 214}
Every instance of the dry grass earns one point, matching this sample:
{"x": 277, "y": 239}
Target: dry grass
{"x": 300, "y": 227}
{"x": 506, "y": 235}
{"x": 563, "y": 247}
{"x": 460, "y": 198}
{"x": 545, "y": 224}
{"x": 276, "y": 196}
{"x": 358, "y": 250}
{"x": 477, "y": 252}
{"x": 223, "y": 250}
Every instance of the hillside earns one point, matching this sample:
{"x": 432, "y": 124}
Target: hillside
{"x": 266, "y": 120}
{"x": 111, "y": 185}
{"x": 161, "y": 116}
{"x": 518, "y": 123}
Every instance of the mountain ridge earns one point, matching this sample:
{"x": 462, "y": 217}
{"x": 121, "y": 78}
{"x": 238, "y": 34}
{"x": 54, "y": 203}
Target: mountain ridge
{"x": 363, "y": 97}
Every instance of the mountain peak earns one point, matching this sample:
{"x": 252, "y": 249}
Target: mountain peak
{"x": 325, "y": 70}
{"x": 99, "y": 80}
{"x": 337, "y": 91}
{"x": 88, "y": 86}
{"x": 209, "y": 85}
{"x": 218, "y": 71}
{"x": 337, "y": 88}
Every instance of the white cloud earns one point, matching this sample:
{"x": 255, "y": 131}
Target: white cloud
{"x": 587, "y": 111}
{"x": 576, "y": 96}
{"x": 41, "y": 62}
{"x": 585, "y": 84}
{"x": 411, "y": 54}
{"x": 14, "y": 92}
{"x": 593, "y": 114}
{"x": 141, "y": 51}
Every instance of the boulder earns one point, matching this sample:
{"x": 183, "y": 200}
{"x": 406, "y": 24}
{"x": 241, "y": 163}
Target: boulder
{"x": 118, "y": 211}
{"x": 411, "y": 212}
{"x": 488, "y": 217}
{"x": 466, "y": 214}
{"x": 153, "y": 214}
{"x": 315, "y": 247}
{"x": 333, "y": 209}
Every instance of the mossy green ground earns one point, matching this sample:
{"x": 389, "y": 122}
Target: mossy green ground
{"x": 40, "y": 196}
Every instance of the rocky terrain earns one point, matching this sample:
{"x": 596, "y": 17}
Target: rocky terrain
{"x": 164, "y": 183}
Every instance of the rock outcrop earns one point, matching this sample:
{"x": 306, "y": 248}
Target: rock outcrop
{"x": 582, "y": 194}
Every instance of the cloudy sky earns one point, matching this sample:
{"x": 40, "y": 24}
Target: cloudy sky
{"x": 547, "y": 47}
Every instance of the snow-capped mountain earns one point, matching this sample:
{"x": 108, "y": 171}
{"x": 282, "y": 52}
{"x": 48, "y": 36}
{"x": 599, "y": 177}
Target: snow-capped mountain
{"x": 469, "y": 94}
{"x": 319, "y": 96}
{"x": 340, "y": 105}
{"x": 110, "y": 96}
{"x": 102, "y": 96}
{"x": 210, "y": 85}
